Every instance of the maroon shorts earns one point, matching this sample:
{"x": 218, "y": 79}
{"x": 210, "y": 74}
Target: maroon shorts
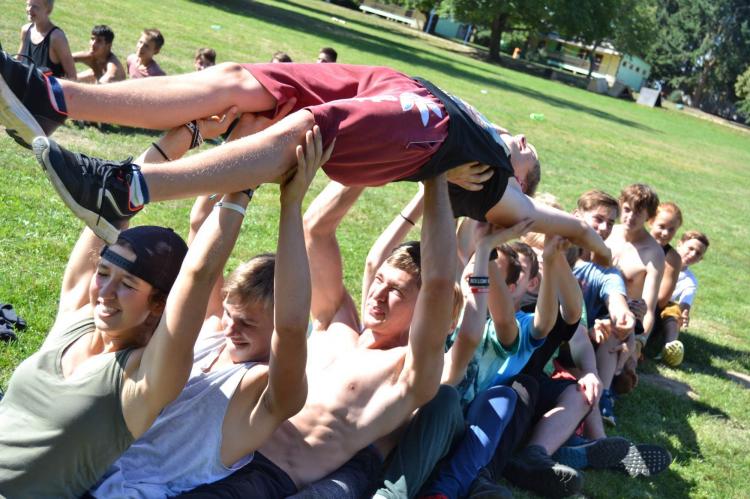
{"x": 385, "y": 124}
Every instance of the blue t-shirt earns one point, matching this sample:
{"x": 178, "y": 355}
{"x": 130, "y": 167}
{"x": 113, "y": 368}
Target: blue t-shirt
{"x": 493, "y": 364}
{"x": 597, "y": 283}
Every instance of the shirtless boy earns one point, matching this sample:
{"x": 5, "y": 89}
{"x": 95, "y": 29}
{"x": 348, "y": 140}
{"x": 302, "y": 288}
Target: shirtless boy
{"x": 104, "y": 66}
{"x": 364, "y": 381}
{"x": 387, "y": 127}
{"x": 637, "y": 254}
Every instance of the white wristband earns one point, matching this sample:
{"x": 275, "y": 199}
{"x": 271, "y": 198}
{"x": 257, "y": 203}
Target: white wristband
{"x": 231, "y": 206}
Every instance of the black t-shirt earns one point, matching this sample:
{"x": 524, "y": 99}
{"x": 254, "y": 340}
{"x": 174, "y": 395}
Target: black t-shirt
{"x": 470, "y": 138}
{"x": 561, "y": 332}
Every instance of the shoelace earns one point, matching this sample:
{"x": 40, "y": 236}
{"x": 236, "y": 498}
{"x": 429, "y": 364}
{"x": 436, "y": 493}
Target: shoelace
{"x": 103, "y": 169}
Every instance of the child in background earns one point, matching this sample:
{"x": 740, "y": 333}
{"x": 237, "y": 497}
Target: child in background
{"x": 664, "y": 226}
{"x": 141, "y": 64}
{"x": 692, "y": 248}
{"x": 204, "y": 58}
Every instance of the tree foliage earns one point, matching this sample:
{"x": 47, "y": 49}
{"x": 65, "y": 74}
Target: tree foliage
{"x": 701, "y": 47}
{"x": 742, "y": 89}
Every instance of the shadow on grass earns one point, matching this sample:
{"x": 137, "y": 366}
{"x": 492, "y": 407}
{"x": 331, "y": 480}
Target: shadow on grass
{"x": 342, "y": 36}
{"x": 701, "y": 353}
{"x": 655, "y": 414}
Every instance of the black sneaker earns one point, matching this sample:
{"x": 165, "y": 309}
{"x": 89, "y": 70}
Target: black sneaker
{"x": 644, "y": 460}
{"x": 533, "y": 469}
{"x": 599, "y": 454}
{"x": 485, "y": 487}
{"x": 26, "y": 108}
{"x": 103, "y": 194}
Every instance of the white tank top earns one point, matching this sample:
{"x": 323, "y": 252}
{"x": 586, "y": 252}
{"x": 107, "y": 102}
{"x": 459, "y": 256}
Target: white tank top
{"x": 182, "y": 448}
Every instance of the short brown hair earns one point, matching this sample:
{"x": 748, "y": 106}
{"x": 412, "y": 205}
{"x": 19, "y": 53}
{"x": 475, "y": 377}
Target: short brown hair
{"x": 640, "y": 197}
{"x": 524, "y": 249}
{"x": 154, "y": 35}
{"x": 533, "y": 177}
{"x": 252, "y": 281}
{"x": 207, "y": 54}
{"x": 407, "y": 258}
{"x": 281, "y": 57}
{"x": 594, "y": 198}
{"x": 694, "y": 234}
{"x": 671, "y": 207}
{"x": 513, "y": 272}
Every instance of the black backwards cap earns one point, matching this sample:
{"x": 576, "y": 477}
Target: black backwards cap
{"x": 158, "y": 255}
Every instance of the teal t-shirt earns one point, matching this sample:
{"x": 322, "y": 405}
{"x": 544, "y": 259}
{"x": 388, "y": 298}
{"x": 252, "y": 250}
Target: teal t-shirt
{"x": 493, "y": 364}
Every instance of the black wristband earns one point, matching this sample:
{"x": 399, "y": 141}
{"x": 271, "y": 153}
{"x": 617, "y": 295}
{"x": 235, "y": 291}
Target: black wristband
{"x": 407, "y": 219}
{"x": 249, "y": 193}
{"x": 197, "y": 138}
{"x": 479, "y": 281}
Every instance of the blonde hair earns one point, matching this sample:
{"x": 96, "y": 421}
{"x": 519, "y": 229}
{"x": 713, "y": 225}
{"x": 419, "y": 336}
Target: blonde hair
{"x": 407, "y": 258}
{"x": 252, "y": 281}
{"x": 672, "y": 208}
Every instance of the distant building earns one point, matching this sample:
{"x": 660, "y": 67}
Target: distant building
{"x": 614, "y": 66}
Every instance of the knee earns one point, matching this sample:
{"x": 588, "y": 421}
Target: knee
{"x": 573, "y": 400}
{"x": 227, "y": 75}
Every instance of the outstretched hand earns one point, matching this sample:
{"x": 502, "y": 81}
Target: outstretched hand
{"x": 470, "y": 176}
{"x": 251, "y": 123}
{"x": 213, "y": 126}
{"x": 295, "y": 183}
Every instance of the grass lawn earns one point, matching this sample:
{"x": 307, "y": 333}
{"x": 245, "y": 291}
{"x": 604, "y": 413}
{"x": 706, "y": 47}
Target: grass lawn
{"x": 585, "y": 141}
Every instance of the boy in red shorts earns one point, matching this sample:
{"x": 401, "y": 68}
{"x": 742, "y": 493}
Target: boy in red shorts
{"x": 387, "y": 127}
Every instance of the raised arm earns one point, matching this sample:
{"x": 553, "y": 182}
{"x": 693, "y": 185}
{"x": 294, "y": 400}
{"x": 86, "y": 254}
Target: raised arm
{"x": 568, "y": 290}
{"x": 321, "y": 220}
{"x": 392, "y": 236}
{"x": 432, "y": 314}
{"x": 74, "y": 292}
{"x": 545, "y": 313}
{"x": 168, "y": 357}
{"x": 287, "y": 387}
{"x": 582, "y": 352}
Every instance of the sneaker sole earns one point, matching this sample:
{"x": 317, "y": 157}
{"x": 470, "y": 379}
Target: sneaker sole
{"x": 645, "y": 460}
{"x": 18, "y": 121}
{"x": 95, "y": 222}
{"x": 600, "y": 454}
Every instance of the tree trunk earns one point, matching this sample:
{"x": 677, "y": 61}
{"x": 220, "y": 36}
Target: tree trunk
{"x": 496, "y": 33}
{"x": 591, "y": 60}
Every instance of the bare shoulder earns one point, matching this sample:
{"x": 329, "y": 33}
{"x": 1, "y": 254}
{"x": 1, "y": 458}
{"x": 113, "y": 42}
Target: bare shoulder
{"x": 25, "y": 28}
{"x": 58, "y": 36}
{"x": 652, "y": 251}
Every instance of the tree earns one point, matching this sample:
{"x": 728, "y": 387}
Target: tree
{"x": 701, "y": 47}
{"x": 628, "y": 24}
{"x": 500, "y": 16}
{"x": 742, "y": 89}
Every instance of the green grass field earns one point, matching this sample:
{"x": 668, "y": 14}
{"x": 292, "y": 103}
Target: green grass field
{"x": 585, "y": 141}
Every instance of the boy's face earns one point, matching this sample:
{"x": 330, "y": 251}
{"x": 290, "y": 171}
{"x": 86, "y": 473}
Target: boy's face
{"x": 631, "y": 219}
{"x": 390, "y": 301}
{"x": 664, "y": 226}
{"x": 248, "y": 330}
{"x": 201, "y": 63}
{"x": 37, "y": 10}
{"x": 99, "y": 46}
{"x": 145, "y": 49}
{"x": 324, "y": 58}
{"x": 600, "y": 218}
{"x": 523, "y": 157}
{"x": 691, "y": 251}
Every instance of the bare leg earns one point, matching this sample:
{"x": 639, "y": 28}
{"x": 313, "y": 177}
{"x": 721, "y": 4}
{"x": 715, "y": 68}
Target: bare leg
{"x": 594, "y": 426}
{"x": 167, "y": 101}
{"x": 257, "y": 159}
{"x": 671, "y": 330}
{"x": 514, "y": 206}
{"x": 559, "y": 423}
{"x": 606, "y": 361}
